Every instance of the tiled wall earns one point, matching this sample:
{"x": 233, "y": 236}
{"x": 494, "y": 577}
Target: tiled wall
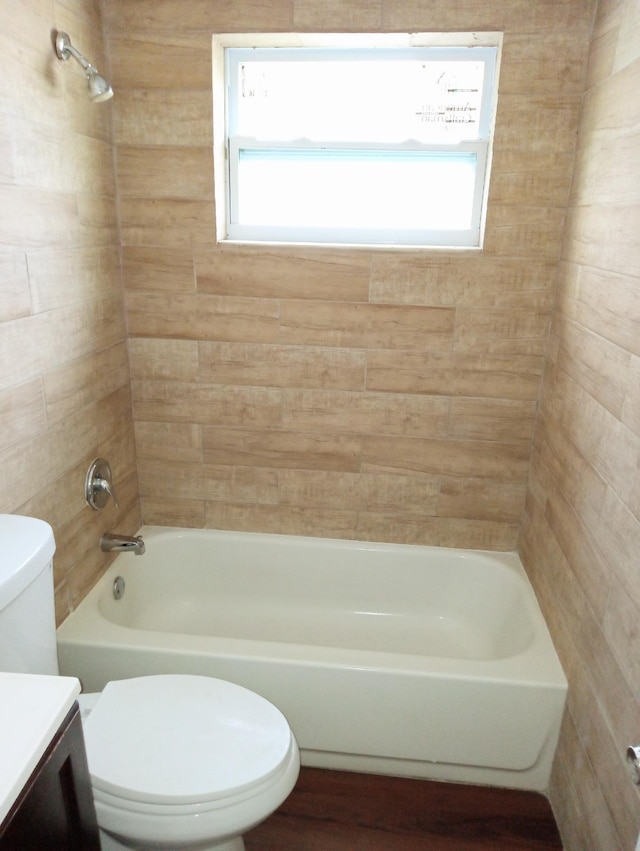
{"x": 369, "y": 395}
{"x": 64, "y": 377}
{"x": 581, "y": 539}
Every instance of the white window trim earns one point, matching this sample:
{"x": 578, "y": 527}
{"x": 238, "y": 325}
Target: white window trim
{"x": 471, "y": 239}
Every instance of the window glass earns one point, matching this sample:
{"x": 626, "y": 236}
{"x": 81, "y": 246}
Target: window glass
{"x": 359, "y": 146}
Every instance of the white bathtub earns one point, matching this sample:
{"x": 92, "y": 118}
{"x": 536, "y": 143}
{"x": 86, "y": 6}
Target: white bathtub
{"x": 419, "y": 661}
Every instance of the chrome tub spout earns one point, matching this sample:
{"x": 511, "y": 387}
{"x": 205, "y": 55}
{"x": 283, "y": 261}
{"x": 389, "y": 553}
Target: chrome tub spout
{"x": 121, "y": 543}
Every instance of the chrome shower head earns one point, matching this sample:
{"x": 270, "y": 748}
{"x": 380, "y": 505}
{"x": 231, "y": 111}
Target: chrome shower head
{"x": 99, "y": 88}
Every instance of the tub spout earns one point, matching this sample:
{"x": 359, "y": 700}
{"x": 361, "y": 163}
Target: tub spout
{"x": 121, "y": 543}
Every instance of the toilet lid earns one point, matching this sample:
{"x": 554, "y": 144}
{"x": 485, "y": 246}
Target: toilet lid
{"x": 180, "y": 739}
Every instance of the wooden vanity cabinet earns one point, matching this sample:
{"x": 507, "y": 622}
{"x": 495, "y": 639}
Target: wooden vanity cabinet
{"x": 55, "y": 810}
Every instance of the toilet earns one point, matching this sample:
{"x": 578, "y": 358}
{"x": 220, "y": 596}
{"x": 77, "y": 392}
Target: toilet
{"x": 176, "y": 761}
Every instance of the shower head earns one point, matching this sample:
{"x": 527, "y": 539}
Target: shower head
{"x": 99, "y": 88}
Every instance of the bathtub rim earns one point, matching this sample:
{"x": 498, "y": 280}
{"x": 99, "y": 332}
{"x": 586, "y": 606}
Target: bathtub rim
{"x": 88, "y": 625}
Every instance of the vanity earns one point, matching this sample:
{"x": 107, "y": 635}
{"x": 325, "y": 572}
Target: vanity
{"x": 46, "y": 803}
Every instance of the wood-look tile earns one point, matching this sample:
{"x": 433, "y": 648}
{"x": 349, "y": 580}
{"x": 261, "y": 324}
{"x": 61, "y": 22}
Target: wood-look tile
{"x": 163, "y": 360}
{"x": 501, "y": 331}
{"x": 72, "y": 386}
{"x": 172, "y": 401}
{"x": 172, "y": 61}
{"x": 165, "y": 172}
{"x": 183, "y": 513}
{"x": 281, "y": 366}
{"x": 293, "y": 449}
{"x": 60, "y": 278}
{"x": 202, "y": 317}
{"x": 22, "y": 413}
{"x": 366, "y": 325}
{"x": 169, "y": 441}
{"x": 492, "y": 419}
{"x": 335, "y": 16}
{"x": 384, "y": 493}
{"x": 460, "y": 280}
{"x": 364, "y": 413}
{"x": 598, "y": 366}
{"x": 158, "y": 268}
{"x": 217, "y": 482}
{"x": 542, "y": 177}
{"x": 167, "y": 222}
{"x": 292, "y": 274}
{"x": 163, "y": 117}
{"x": 155, "y": 18}
{"x": 505, "y": 462}
{"x": 15, "y": 298}
{"x": 282, "y": 520}
{"x": 480, "y": 499}
{"x": 489, "y": 376}
{"x": 465, "y": 533}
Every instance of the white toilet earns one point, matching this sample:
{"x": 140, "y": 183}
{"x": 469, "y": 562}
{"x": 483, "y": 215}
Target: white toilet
{"x": 176, "y": 761}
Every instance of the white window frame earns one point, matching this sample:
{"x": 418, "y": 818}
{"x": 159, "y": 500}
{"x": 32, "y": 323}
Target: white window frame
{"x": 227, "y": 144}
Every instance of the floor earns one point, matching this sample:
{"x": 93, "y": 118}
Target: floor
{"x": 341, "y": 811}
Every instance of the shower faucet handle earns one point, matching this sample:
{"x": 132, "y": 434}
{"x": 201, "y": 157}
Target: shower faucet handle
{"x": 98, "y": 486}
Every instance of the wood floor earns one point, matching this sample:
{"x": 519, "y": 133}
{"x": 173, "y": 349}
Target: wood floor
{"x": 341, "y": 811}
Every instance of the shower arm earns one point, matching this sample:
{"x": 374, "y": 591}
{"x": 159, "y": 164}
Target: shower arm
{"x": 65, "y": 49}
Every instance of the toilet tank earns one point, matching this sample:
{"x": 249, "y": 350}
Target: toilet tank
{"x": 27, "y": 609}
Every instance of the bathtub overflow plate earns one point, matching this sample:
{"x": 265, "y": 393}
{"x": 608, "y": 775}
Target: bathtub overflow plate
{"x": 118, "y": 587}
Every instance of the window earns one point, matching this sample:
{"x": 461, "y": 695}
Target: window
{"x": 381, "y": 145}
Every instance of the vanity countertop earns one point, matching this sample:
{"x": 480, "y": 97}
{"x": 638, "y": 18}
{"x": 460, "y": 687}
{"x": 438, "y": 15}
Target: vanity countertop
{"x": 32, "y": 708}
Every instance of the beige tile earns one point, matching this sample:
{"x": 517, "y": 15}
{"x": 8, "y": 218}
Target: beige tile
{"x": 276, "y": 273}
{"x": 598, "y": 366}
{"x": 286, "y": 449}
{"x": 171, "y": 401}
{"x": 281, "y": 366}
{"x": 492, "y": 419}
{"x": 335, "y": 16}
{"x": 167, "y": 222}
{"x": 171, "y": 61}
{"x": 501, "y": 331}
{"x": 330, "y": 490}
{"x": 163, "y": 117}
{"x": 165, "y": 172}
{"x": 166, "y": 17}
{"x": 537, "y": 123}
{"x": 284, "y": 520}
{"x": 15, "y": 299}
{"x": 157, "y": 268}
{"x": 462, "y": 279}
{"x": 496, "y": 376}
{"x": 364, "y": 413}
{"x": 543, "y": 178}
{"x": 202, "y": 317}
{"x": 43, "y": 158}
{"x": 224, "y": 483}
{"x": 60, "y": 278}
{"x": 170, "y": 441}
{"x": 366, "y": 325}
{"x": 479, "y": 499}
{"x": 71, "y": 332}
{"x": 501, "y": 462}
{"x": 436, "y": 531}
{"x": 183, "y": 513}
{"x": 82, "y": 382}
{"x": 22, "y": 413}
{"x": 163, "y": 360}
{"x": 382, "y": 493}
{"x": 475, "y": 15}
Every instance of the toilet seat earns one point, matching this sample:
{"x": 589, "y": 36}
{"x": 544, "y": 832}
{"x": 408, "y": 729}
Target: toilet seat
{"x": 183, "y": 744}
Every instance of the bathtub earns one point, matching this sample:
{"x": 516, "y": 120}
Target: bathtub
{"x": 415, "y": 661}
